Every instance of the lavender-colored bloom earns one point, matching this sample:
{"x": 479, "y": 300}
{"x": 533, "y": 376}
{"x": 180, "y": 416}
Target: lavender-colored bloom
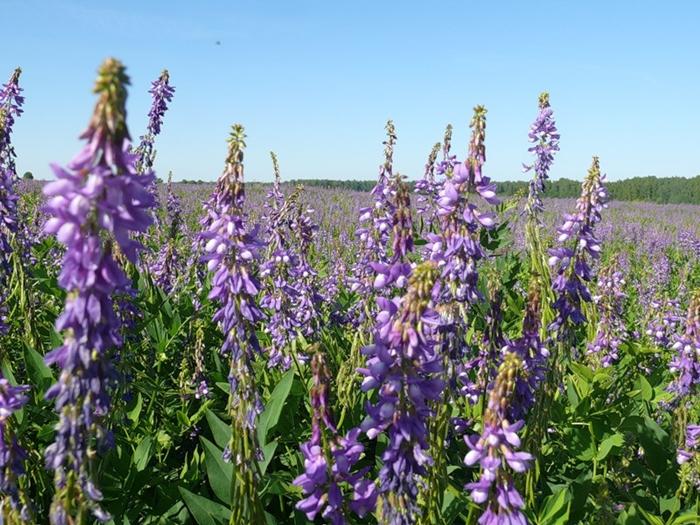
{"x": 496, "y": 451}
{"x": 98, "y": 201}
{"x": 329, "y": 461}
{"x": 685, "y": 366}
{"x": 427, "y": 190}
{"x": 168, "y": 265}
{"x": 666, "y": 319}
{"x": 374, "y": 233}
{"x": 571, "y": 262}
{"x": 456, "y": 248}
{"x": 162, "y": 94}
{"x": 230, "y": 251}
{"x": 11, "y": 101}
{"x": 689, "y": 456}
{"x": 611, "y": 330}
{"x": 12, "y": 456}
{"x": 545, "y": 139}
{"x": 403, "y": 366}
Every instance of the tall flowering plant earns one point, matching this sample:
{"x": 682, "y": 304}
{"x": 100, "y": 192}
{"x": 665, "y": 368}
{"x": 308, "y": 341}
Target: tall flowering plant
{"x": 98, "y": 201}
{"x": 374, "y": 232}
{"x": 456, "y": 248}
{"x": 230, "y": 251}
{"x": 610, "y": 302}
{"x": 495, "y": 450}
{"x": 404, "y": 366}
{"x": 578, "y": 245}
{"x": 161, "y": 94}
{"x": 13, "y": 506}
{"x": 11, "y": 101}
{"x": 329, "y": 461}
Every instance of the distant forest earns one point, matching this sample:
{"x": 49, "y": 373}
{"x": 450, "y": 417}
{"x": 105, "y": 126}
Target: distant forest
{"x": 661, "y": 190}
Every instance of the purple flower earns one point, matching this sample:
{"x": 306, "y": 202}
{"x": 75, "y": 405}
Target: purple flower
{"x": 611, "y": 330}
{"x": 577, "y": 244}
{"x": 427, "y": 190}
{"x": 403, "y": 366}
{"x": 496, "y": 452}
{"x": 374, "y": 233}
{"x": 11, "y": 101}
{"x": 168, "y": 265}
{"x": 685, "y": 365}
{"x": 12, "y": 456}
{"x": 230, "y": 252}
{"x": 96, "y": 204}
{"x": 456, "y": 248}
{"x": 329, "y": 461}
{"x": 161, "y": 93}
{"x": 545, "y": 139}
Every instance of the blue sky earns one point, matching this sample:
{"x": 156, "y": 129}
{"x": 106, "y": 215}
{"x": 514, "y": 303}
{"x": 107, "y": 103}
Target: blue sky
{"x": 316, "y": 81}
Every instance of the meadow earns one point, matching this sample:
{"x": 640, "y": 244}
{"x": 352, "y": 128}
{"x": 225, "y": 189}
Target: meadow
{"x": 240, "y": 353}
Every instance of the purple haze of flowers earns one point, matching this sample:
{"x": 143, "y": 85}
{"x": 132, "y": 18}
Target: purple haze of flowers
{"x": 457, "y": 249}
{"x": 329, "y": 460}
{"x": 571, "y": 264}
{"x": 12, "y": 456}
{"x": 230, "y": 251}
{"x": 610, "y": 302}
{"x": 168, "y": 266}
{"x": 496, "y": 451}
{"x": 545, "y": 139}
{"x": 11, "y": 101}
{"x": 404, "y": 366}
{"x": 96, "y": 204}
{"x": 685, "y": 365}
{"x": 374, "y": 232}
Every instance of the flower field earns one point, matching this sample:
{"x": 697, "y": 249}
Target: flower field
{"x": 428, "y": 353}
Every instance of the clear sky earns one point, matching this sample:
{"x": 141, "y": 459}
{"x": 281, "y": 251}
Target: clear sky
{"x": 316, "y": 81}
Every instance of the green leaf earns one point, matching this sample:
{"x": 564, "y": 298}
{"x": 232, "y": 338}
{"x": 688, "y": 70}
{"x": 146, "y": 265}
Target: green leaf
{"x": 268, "y": 453}
{"x": 203, "y": 510}
{"x": 616, "y": 440}
{"x": 651, "y": 519}
{"x": 691, "y": 517}
{"x": 142, "y": 454}
{"x": 645, "y": 389}
{"x": 135, "y": 412}
{"x": 219, "y": 473}
{"x": 220, "y": 430}
{"x": 556, "y": 509}
{"x": 38, "y": 372}
{"x": 273, "y": 409}
{"x": 581, "y": 371}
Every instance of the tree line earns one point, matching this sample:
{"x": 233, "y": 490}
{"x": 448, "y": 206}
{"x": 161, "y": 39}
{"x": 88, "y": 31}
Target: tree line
{"x": 661, "y": 190}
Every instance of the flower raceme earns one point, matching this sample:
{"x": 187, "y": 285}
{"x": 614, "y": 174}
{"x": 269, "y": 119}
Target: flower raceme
{"x": 96, "y": 204}
{"x": 329, "y": 461}
{"x": 403, "y": 366}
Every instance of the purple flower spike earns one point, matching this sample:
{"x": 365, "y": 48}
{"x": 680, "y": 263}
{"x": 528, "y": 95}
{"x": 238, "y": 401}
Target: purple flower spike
{"x": 12, "y": 456}
{"x": 545, "y": 139}
{"x": 403, "y": 366}
{"x": 329, "y": 461}
{"x": 230, "y": 250}
{"x": 611, "y": 330}
{"x": 96, "y": 205}
{"x": 578, "y": 245}
{"x": 11, "y": 101}
{"x": 495, "y": 451}
{"x": 685, "y": 366}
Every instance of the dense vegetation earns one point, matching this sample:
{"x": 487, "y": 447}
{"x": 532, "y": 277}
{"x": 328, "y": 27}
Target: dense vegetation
{"x": 261, "y": 355}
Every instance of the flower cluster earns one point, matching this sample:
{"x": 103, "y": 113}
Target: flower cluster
{"x": 168, "y": 265}
{"x": 96, "y": 204}
{"x": 666, "y": 319}
{"x": 329, "y": 461}
{"x": 610, "y": 302}
{"x": 571, "y": 264}
{"x": 12, "y": 456}
{"x": 403, "y": 366}
{"x": 496, "y": 451}
{"x": 689, "y": 456}
{"x": 545, "y": 139}
{"x": 11, "y": 101}
{"x": 456, "y": 248}
{"x": 230, "y": 250}
{"x": 161, "y": 94}
{"x": 427, "y": 190}
{"x": 374, "y": 232}
{"x": 686, "y": 363}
